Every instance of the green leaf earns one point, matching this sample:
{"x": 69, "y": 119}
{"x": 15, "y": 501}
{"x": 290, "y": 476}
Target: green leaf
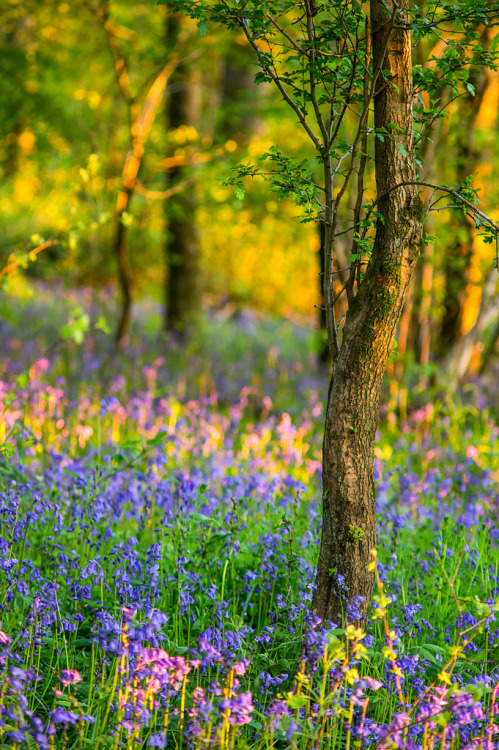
{"x": 157, "y": 439}
{"x": 481, "y": 656}
{"x": 402, "y": 150}
{"x": 296, "y": 701}
{"x": 203, "y": 28}
{"x": 7, "y": 449}
{"x": 240, "y": 193}
{"x": 77, "y": 326}
{"x": 22, "y": 380}
{"x": 102, "y": 325}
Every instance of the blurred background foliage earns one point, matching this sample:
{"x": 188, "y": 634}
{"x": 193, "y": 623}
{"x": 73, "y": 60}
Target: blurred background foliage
{"x": 121, "y": 174}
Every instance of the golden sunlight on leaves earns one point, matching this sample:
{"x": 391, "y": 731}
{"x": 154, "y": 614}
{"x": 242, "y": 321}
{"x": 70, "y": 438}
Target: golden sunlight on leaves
{"x": 27, "y": 141}
{"x": 473, "y": 296}
{"x": 487, "y": 115}
{"x": 26, "y": 188}
{"x": 94, "y": 99}
{"x": 183, "y": 134}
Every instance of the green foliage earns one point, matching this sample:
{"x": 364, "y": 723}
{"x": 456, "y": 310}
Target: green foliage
{"x": 288, "y": 178}
{"x": 356, "y": 532}
{"x": 77, "y": 326}
{"x": 102, "y": 325}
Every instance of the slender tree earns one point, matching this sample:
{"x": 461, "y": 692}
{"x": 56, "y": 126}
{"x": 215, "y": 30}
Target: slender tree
{"x": 345, "y": 70}
{"x": 143, "y": 106}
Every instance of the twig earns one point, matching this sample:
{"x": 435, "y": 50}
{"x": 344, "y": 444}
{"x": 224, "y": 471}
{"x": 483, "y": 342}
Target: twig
{"x": 31, "y": 253}
{"x": 162, "y": 194}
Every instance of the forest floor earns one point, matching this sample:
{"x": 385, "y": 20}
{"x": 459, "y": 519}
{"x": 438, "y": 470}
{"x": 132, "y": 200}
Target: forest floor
{"x": 159, "y": 528}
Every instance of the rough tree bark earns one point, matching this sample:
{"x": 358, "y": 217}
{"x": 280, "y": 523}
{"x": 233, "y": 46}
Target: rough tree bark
{"x": 349, "y": 527}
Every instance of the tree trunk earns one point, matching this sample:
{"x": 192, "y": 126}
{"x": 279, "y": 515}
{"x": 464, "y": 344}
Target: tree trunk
{"x": 125, "y": 278}
{"x": 425, "y": 315}
{"x": 458, "y": 360}
{"x": 182, "y": 286}
{"x": 239, "y": 115}
{"x": 182, "y": 250}
{"x": 458, "y": 258}
{"x": 323, "y": 354}
{"x": 13, "y": 150}
{"x": 142, "y": 112}
{"x": 404, "y": 335}
{"x": 349, "y": 524}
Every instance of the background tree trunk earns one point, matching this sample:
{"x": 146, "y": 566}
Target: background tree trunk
{"x": 458, "y": 359}
{"x": 458, "y": 257}
{"x": 239, "y": 111}
{"x": 183, "y": 283}
{"x": 142, "y": 113}
{"x": 349, "y": 523}
{"x": 125, "y": 277}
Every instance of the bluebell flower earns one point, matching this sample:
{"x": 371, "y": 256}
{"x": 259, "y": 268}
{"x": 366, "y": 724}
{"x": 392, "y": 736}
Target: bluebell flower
{"x": 157, "y": 740}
